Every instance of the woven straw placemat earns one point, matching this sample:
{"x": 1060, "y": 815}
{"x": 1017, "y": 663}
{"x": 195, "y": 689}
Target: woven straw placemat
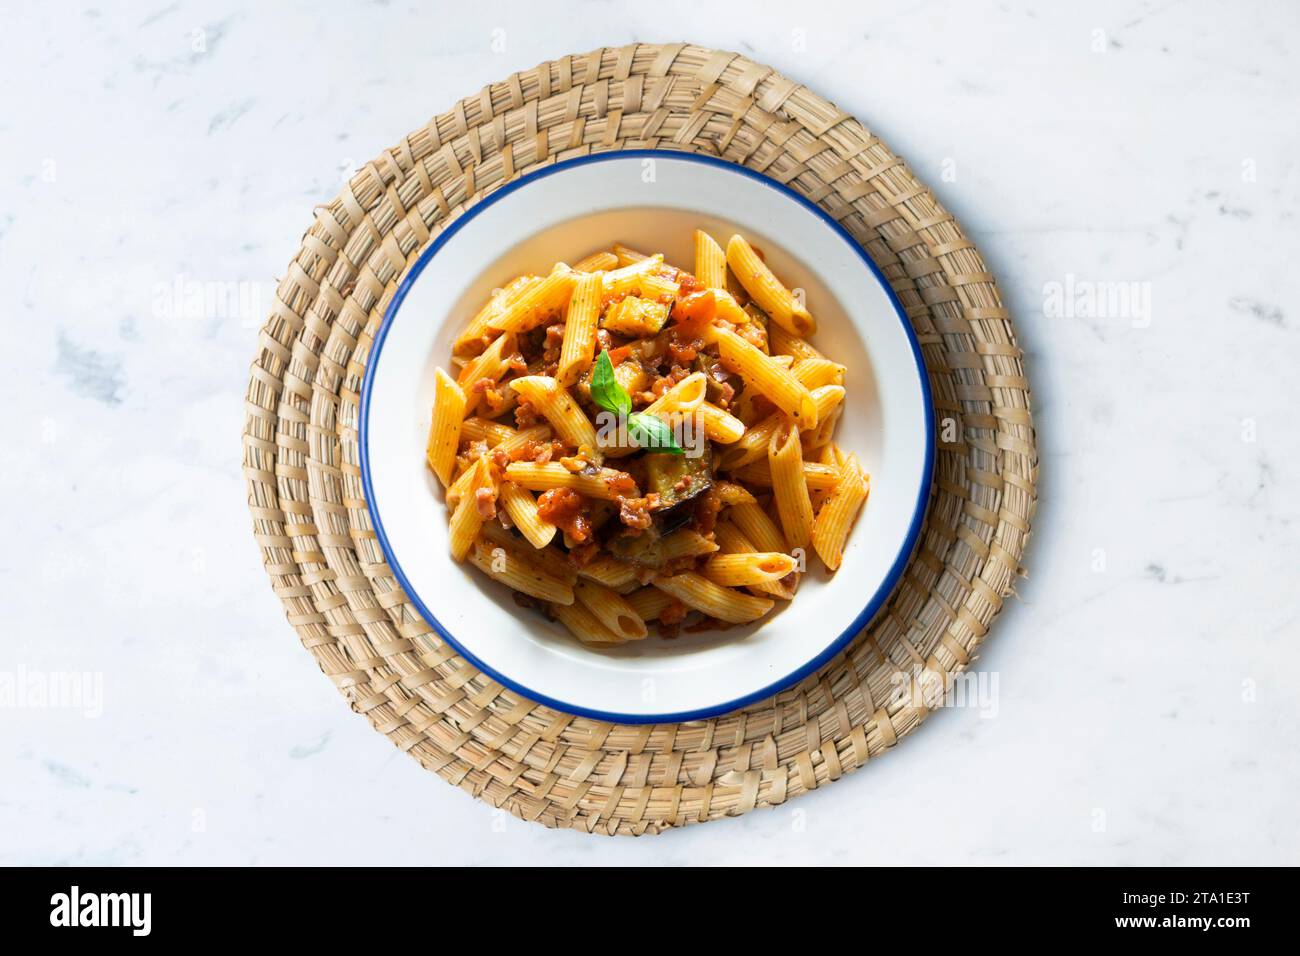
{"x": 310, "y": 518}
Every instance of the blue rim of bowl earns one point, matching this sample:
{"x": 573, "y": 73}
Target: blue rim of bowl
{"x": 882, "y": 592}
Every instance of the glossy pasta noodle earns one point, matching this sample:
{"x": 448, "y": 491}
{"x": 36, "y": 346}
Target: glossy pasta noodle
{"x": 628, "y": 445}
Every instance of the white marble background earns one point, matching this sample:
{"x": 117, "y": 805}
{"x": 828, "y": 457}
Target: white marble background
{"x": 1148, "y": 704}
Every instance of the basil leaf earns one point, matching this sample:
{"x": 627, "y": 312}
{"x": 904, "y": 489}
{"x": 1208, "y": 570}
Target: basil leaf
{"x": 652, "y": 432}
{"x": 605, "y": 389}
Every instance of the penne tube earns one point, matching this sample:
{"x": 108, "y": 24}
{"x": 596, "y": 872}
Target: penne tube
{"x": 781, "y": 342}
{"x": 657, "y": 286}
{"x": 820, "y": 436}
{"x": 752, "y": 446}
{"x": 721, "y": 426}
{"x": 789, "y": 488}
{"x": 685, "y": 396}
{"x": 490, "y": 364}
{"x": 817, "y": 476}
{"x": 627, "y": 278}
{"x": 710, "y": 261}
{"x": 605, "y": 483}
{"x": 537, "y": 302}
{"x": 756, "y": 525}
{"x": 816, "y": 372}
{"x": 550, "y": 561}
{"x": 597, "y": 262}
{"x": 610, "y": 609}
{"x": 649, "y": 602}
{"x": 461, "y": 486}
{"x": 444, "y": 432}
{"x": 584, "y": 625}
{"x": 485, "y": 430}
{"x": 495, "y": 562}
{"x": 730, "y": 493}
{"x": 570, "y": 422}
{"x": 766, "y": 289}
{"x": 627, "y": 256}
{"x": 579, "y": 346}
{"x": 521, "y": 506}
{"x": 732, "y": 541}
{"x": 611, "y": 572}
{"x": 835, "y": 520}
{"x": 724, "y": 604}
{"x": 521, "y": 438}
{"x": 746, "y": 569}
{"x": 476, "y": 334}
{"x": 684, "y": 544}
{"x": 466, "y": 520}
{"x": 776, "y": 383}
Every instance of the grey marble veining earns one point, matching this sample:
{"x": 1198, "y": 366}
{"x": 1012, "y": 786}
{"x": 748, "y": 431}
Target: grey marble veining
{"x": 1128, "y": 170}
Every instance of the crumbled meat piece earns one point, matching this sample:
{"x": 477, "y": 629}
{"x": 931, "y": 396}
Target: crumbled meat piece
{"x": 568, "y": 511}
{"x": 526, "y": 416}
{"x": 687, "y": 284}
{"x": 485, "y": 501}
{"x": 635, "y": 512}
{"x": 706, "y": 511}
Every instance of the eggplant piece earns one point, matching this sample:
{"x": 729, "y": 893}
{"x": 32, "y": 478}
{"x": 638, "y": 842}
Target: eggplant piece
{"x": 678, "y": 480}
{"x": 664, "y": 474}
{"x": 640, "y": 549}
{"x": 715, "y": 378}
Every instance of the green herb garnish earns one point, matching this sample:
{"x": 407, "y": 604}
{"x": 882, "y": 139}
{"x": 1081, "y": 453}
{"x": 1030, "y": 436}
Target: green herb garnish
{"x": 648, "y": 431}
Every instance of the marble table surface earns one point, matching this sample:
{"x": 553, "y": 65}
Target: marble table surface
{"x": 1129, "y": 170}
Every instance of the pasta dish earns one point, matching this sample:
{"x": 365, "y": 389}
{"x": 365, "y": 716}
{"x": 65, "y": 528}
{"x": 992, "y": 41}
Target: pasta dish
{"x": 625, "y": 443}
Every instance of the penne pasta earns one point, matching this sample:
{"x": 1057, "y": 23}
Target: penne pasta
{"x": 494, "y": 561}
{"x": 789, "y": 488}
{"x": 597, "y": 262}
{"x": 477, "y": 333}
{"x": 710, "y": 261}
{"x": 537, "y": 302}
{"x": 627, "y": 256}
{"x": 816, "y": 372}
{"x": 756, "y": 525}
{"x": 467, "y": 518}
{"x": 608, "y": 607}
{"x": 781, "y": 342}
{"x": 777, "y": 384}
{"x": 721, "y": 426}
{"x": 521, "y": 506}
{"x": 730, "y": 493}
{"x": 605, "y": 483}
{"x": 627, "y": 279}
{"x": 488, "y": 366}
{"x": 685, "y": 396}
{"x": 833, "y": 522}
{"x": 578, "y": 348}
{"x": 752, "y": 446}
{"x": 649, "y": 602}
{"x": 732, "y": 541}
{"x": 817, "y": 476}
{"x": 444, "y": 432}
{"x": 766, "y": 290}
{"x": 584, "y": 625}
{"x": 568, "y": 420}
{"x": 614, "y": 574}
{"x": 746, "y": 569}
{"x": 485, "y": 430}
{"x": 724, "y": 604}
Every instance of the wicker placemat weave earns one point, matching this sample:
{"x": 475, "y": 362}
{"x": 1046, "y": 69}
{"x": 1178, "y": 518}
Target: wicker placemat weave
{"x": 310, "y": 518}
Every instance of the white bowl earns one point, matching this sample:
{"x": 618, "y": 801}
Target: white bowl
{"x": 650, "y": 200}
